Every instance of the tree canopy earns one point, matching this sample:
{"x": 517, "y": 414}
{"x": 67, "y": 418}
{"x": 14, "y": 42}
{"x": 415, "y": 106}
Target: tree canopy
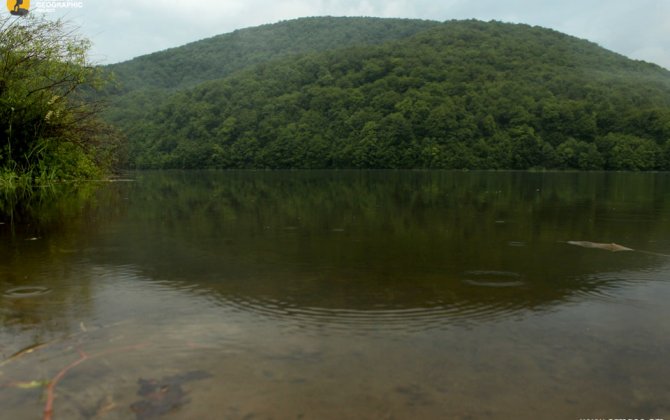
{"x": 460, "y": 94}
{"x": 47, "y": 131}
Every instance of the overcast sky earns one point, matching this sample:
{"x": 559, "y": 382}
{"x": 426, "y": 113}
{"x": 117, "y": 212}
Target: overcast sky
{"x": 122, "y": 29}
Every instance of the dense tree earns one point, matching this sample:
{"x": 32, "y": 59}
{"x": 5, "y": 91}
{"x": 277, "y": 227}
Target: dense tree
{"x": 462, "y": 94}
{"x": 578, "y": 154}
{"x": 47, "y": 131}
{"x": 623, "y": 151}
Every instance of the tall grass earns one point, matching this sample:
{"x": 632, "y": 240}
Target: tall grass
{"x": 11, "y": 181}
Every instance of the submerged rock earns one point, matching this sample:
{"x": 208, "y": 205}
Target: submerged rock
{"x": 164, "y": 395}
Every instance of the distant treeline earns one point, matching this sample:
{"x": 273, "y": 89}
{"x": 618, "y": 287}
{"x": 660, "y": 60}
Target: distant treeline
{"x": 463, "y": 94}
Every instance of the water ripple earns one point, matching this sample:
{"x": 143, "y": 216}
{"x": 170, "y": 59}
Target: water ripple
{"x": 367, "y": 320}
{"x": 25, "y": 292}
{"x": 491, "y": 278}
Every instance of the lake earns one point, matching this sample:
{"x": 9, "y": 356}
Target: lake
{"x": 337, "y": 294}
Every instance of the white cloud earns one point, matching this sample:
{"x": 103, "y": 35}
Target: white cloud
{"x": 123, "y": 29}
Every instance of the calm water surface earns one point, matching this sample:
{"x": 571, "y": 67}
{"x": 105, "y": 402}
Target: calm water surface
{"x": 332, "y": 295}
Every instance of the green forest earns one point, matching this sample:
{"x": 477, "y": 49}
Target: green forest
{"x": 393, "y": 93}
{"x": 337, "y": 93}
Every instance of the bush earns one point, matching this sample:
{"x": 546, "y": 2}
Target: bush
{"x": 47, "y": 129}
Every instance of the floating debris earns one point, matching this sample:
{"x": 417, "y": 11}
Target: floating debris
{"x": 26, "y": 350}
{"x": 164, "y": 395}
{"x": 517, "y": 244}
{"x": 30, "y": 384}
{"x": 607, "y": 247}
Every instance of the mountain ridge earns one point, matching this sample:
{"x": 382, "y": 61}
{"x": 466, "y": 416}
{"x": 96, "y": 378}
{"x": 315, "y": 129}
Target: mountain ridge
{"x": 458, "y": 94}
{"x": 367, "y": 31}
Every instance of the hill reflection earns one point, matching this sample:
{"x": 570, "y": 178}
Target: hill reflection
{"x": 363, "y": 247}
{"x": 377, "y": 249}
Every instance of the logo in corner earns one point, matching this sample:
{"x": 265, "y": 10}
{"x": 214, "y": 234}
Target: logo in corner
{"x": 18, "y": 7}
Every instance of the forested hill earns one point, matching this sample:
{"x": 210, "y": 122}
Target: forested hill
{"x": 217, "y": 57}
{"x": 462, "y": 94}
